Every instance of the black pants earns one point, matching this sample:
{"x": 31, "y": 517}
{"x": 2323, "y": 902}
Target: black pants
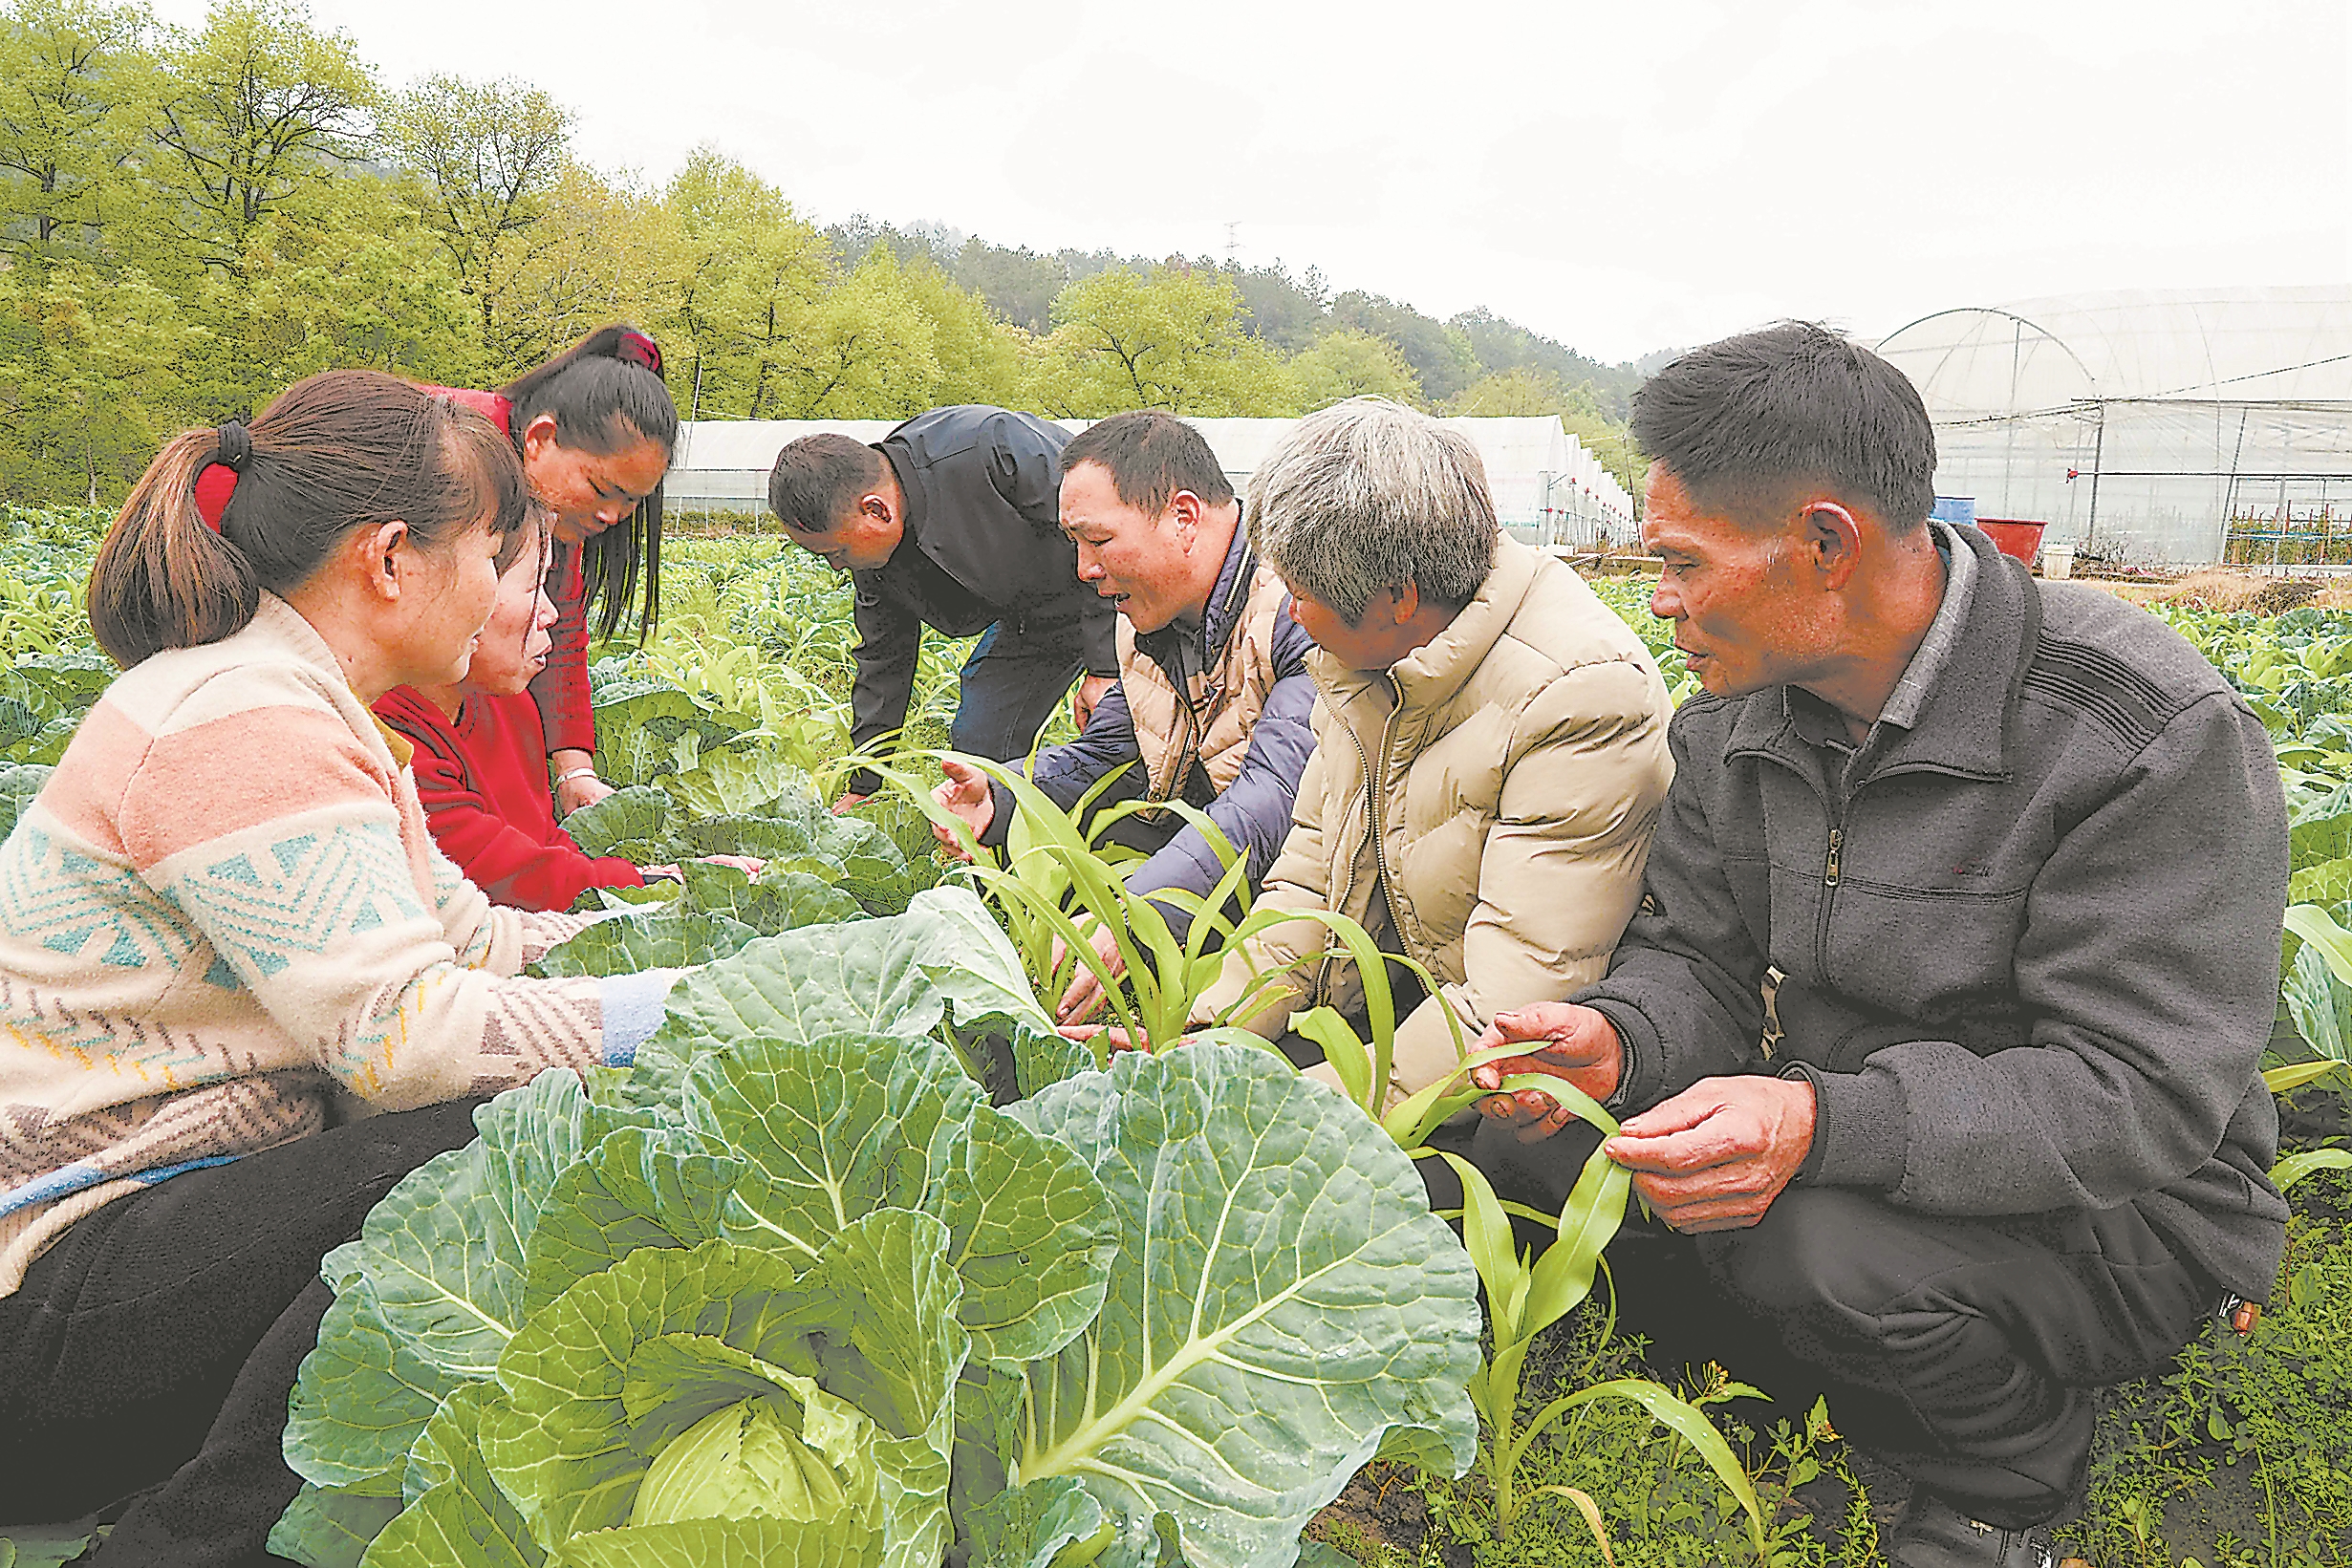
{"x": 1016, "y": 675}
{"x": 157, "y": 1342}
{"x": 1965, "y": 1352}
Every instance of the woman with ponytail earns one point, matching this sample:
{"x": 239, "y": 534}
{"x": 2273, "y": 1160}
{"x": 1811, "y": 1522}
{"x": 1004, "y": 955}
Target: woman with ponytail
{"x": 594, "y": 427}
{"x": 241, "y": 993}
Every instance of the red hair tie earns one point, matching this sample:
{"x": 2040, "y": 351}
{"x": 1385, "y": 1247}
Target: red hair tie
{"x": 217, "y": 481}
{"x": 638, "y": 349}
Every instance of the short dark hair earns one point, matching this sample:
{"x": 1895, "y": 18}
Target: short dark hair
{"x": 818, "y": 480}
{"x": 1150, "y": 457}
{"x": 1791, "y": 404}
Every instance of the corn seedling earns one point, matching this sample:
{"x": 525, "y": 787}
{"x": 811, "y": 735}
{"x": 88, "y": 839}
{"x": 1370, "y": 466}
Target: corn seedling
{"x": 1524, "y": 1297}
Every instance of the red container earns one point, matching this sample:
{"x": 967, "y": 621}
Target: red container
{"x": 2014, "y": 537}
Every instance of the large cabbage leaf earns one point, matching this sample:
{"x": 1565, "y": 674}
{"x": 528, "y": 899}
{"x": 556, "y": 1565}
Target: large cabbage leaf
{"x": 902, "y": 975}
{"x": 782, "y": 899}
{"x": 329, "y": 1527}
{"x": 633, "y": 824}
{"x": 429, "y": 1295}
{"x": 457, "y": 1515}
{"x": 833, "y": 1128}
{"x": 1283, "y": 1301}
{"x": 660, "y": 937}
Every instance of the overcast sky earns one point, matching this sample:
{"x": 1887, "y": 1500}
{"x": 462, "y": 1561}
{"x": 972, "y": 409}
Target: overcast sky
{"x": 1640, "y": 174}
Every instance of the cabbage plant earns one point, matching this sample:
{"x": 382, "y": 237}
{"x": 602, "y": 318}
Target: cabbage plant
{"x": 793, "y": 1292}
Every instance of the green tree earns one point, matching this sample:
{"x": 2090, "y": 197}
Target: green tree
{"x": 744, "y": 271}
{"x": 600, "y": 254}
{"x": 75, "y": 92}
{"x": 1174, "y": 340}
{"x": 262, "y": 110}
{"x": 483, "y": 161}
{"x": 1440, "y": 355}
{"x": 978, "y": 357}
{"x": 863, "y": 353}
{"x": 1348, "y": 363}
{"x": 89, "y": 379}
{"x": 349, "y": 279}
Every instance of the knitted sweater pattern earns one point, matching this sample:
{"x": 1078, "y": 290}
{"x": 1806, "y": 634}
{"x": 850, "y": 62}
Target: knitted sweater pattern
{"x": 224, "y": 925}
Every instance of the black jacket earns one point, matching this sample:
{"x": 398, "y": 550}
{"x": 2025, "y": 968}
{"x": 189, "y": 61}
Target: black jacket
{"x": 983, "y": 544}
{"x": 1253, "y": 811}
{"x": 2037, "y": 967}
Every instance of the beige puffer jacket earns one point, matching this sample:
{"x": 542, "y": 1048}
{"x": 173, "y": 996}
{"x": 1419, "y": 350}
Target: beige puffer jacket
{"x": 1211, "y": 723}
{"x": 1520, "y": 762}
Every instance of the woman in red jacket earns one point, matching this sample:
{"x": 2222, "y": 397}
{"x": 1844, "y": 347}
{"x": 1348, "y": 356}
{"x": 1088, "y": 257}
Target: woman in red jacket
{"x": 481, "y": 752}
{"x": 594, "y": 427}
{"x": 480, "y": 755}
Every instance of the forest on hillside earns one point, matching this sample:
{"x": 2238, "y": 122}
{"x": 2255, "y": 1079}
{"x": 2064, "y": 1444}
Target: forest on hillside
{"x": 191, "y": 219}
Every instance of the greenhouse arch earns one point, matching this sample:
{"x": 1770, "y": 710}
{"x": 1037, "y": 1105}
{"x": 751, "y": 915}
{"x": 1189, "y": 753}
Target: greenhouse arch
{"x": 2165, "y": 428}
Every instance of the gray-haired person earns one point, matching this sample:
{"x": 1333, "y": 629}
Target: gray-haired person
{"x": 1490, "y": 743}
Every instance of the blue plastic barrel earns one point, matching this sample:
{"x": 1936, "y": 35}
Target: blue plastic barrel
{"x": 1955, "y": 509}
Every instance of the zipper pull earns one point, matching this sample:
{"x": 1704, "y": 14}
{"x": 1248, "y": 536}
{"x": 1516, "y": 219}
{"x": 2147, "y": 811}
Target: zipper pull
{"x": 1830, "y": 873}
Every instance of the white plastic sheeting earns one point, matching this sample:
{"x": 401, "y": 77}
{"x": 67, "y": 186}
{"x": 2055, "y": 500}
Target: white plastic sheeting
{"x": 2137, "y": 425}
{"x": 1547, "y": 489}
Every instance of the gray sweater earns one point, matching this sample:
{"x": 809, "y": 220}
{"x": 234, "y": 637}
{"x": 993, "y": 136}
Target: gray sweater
{"x": 2035, "y": 966}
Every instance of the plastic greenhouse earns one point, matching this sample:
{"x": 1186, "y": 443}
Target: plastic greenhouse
{"x": 1547, "y": 490}
{"x": 2173, "y": 428}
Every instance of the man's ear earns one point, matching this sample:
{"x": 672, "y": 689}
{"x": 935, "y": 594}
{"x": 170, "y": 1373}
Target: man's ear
{"x": 1187, "y": 508}
{"x": 876, "y": 505}
{"x": 1405, "y": 602}
{"x": 1832, "y": 539}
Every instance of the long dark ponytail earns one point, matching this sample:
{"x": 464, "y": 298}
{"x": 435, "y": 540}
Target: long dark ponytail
{"x": 605, "y": 392}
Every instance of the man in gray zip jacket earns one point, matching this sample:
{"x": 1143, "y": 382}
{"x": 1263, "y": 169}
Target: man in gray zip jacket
{"x": 2009, "y": 861}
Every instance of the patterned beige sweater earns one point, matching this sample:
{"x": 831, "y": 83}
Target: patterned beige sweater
{"x": 223, "y": 925}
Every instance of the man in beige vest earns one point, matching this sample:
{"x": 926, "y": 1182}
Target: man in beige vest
{"x": 1211, "y": 707}
{"x": 1490, "y": 746}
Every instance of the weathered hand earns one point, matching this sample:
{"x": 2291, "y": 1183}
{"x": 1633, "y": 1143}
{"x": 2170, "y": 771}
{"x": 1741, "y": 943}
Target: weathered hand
{"x": 744, "y": 864}
{"x": 848, "y": 804}
{"x": 1715, "y": 1156}
{"x": 966, "y": 795}
{"x": 1086, "y": 995}
{"x": 1090, "y": 692}
{"x": 1571, "y": 1043}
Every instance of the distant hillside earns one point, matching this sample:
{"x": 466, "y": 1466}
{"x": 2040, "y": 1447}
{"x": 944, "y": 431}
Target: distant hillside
{"x": 1290, "y": 313}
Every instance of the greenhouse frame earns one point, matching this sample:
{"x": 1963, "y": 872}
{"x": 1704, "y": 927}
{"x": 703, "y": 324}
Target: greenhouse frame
{"x": 2172, "y": 428}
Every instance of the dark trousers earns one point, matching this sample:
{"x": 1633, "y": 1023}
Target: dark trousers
{"x": 1965, "y": 1352}
{"x": 155, "y": 1345}
{"x": 1017, "y": 674}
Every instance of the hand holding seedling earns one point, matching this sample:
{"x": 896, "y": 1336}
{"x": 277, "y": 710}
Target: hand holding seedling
{"x": 1086, "y": 995}
{"x": 1577, "y": 1044}
{"x": 1715, "y": 1156}
{"x": 964, "y": 794}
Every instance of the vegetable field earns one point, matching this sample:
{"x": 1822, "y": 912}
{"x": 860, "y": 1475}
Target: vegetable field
{"x": 862, "y": 1264}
